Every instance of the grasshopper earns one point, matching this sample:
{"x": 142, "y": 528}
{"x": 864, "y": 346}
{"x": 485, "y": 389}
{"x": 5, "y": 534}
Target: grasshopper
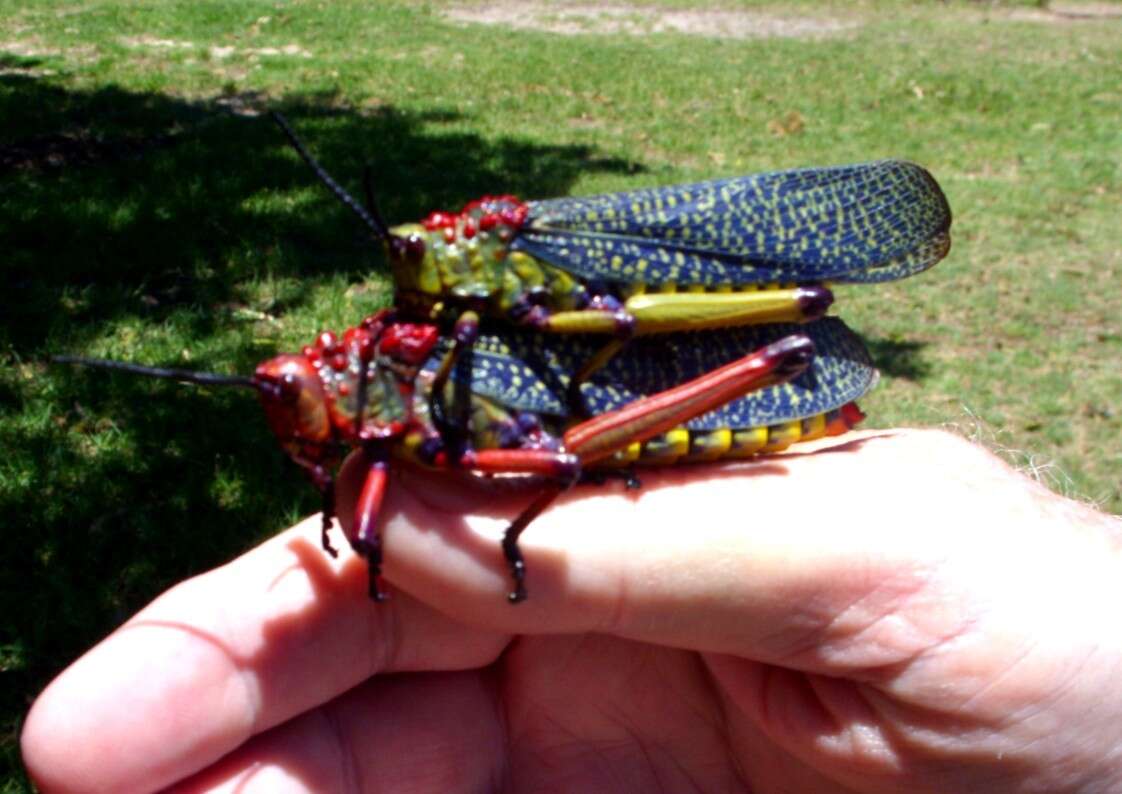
{"x": 664, "y": 400}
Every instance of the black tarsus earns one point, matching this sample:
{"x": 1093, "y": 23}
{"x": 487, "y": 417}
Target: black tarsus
{"x": 188, "y": 376}
{"x": 326, "y": 485}
{"x": 324, "y": 482}
{"x": 371, "y": 551}
{"x": 512, "y": 551}
{"x": 372, "y": 219}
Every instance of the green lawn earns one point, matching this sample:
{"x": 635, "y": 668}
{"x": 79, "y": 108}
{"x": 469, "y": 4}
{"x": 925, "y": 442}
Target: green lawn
{"x": 151, "y": 213}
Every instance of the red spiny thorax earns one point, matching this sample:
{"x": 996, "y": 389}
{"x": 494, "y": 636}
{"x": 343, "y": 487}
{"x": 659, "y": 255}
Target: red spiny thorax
{"x": 330, "y": 375}
{"x": 502, "y": 214}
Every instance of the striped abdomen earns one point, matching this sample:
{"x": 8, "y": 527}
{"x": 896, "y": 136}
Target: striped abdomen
{"x": 683, "y": 445}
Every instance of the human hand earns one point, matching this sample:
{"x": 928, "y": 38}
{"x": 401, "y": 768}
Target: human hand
{"x": 901, "y": 612}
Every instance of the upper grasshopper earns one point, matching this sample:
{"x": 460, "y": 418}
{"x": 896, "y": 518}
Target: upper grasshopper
{"x": 730, "y": 252}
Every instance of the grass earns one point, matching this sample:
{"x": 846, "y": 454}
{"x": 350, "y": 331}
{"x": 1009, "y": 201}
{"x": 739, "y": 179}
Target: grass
{"x": 148, "y": 214}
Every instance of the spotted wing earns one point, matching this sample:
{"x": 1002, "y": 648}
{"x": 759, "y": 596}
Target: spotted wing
{"x": 530, "y": 372}
{"x": 854, "y": 223}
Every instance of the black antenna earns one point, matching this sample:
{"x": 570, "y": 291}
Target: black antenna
{"x": 200, "y": 378}
{"x": 370, "y": 217}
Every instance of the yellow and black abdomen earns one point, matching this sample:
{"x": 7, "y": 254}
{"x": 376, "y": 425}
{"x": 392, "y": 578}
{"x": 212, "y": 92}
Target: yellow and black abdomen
{"x": 683, "y": 445}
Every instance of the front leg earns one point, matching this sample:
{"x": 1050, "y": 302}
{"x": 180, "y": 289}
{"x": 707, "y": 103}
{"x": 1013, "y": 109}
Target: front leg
{"x": 324, "y": 482}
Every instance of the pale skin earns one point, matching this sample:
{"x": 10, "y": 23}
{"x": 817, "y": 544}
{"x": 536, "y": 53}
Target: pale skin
{"x": 901, "y": 613}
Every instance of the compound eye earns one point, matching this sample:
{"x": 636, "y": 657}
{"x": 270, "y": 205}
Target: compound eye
{"x": 410, "y": 250}
{"x": 414, "y": 249}
{"x": 290, "y": 388}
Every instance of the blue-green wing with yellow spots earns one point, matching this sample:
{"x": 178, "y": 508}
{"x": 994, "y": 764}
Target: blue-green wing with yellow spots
{"x": 855, "y": 223}
{"x": 530, "y": 371}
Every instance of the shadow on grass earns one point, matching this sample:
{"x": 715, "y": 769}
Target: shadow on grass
{"x": 127, "y": 205}
{"x": 899, "y": 358}
{"x": 122, "y": 202}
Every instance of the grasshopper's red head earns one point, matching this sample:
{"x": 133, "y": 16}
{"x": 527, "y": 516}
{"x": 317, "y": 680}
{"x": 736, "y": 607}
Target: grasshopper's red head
{"x": 334, "y": 392}
{"x": 458, "y": 254}
{"x": 290, "y": 390}
{"x": 344, "y": 391}
{"x": 295, "y": 406}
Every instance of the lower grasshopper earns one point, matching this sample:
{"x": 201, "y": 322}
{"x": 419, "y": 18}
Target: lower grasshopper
{"x": 664, "y": 400}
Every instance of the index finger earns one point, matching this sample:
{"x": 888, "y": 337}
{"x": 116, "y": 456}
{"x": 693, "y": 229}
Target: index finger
{"x": 772, "y": 560}
{"x": 229, "y": 654}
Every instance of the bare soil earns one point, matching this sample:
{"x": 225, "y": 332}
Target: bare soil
{"x": 643, "y": 20}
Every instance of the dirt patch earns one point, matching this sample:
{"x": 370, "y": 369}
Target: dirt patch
{"x": 573, "y": 20}
{"x": 25, "y": 57}
{"x": 215, "y": 51}
{"x": 291, "y": 50}
{"x": 27, "y": 48}
{"x": 155, "y": 43}
{"x": 1065, "y": 13}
